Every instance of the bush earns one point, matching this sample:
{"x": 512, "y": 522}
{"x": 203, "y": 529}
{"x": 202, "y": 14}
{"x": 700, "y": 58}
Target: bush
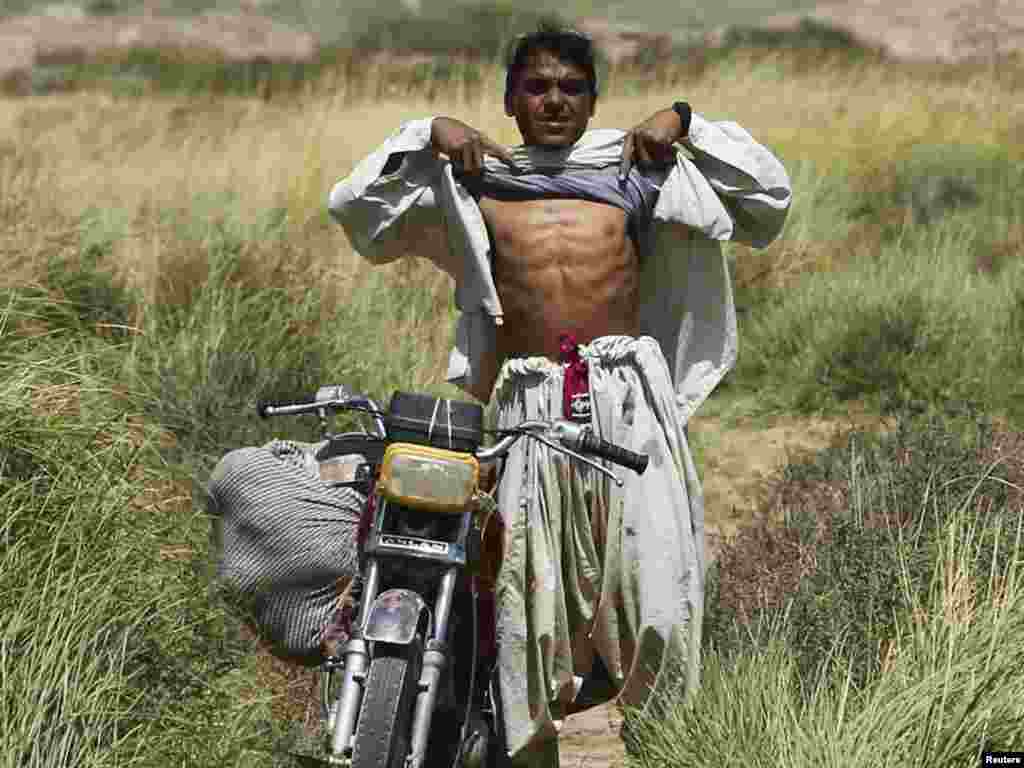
{"x": 88, "y": 295}
{"x": 910, "y": 304}
{"x": 861, "y": 520}
{"x": 808, "y": 33}
{"x": 929, "y": 182}
{"x": 888, "y": 350}
{"x": 479, "y": 30}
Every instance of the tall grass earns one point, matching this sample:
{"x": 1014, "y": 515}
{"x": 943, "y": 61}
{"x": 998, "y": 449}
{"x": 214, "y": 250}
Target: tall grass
{"x": 830, "y": 565}
{"x": 925, "y": 319}
{"x": 105, "y": 624}
{"x": 931, "y": 676}
{"x": 167, "y": 260}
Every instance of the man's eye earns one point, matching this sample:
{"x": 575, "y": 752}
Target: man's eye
{"x": 538, "y": 87}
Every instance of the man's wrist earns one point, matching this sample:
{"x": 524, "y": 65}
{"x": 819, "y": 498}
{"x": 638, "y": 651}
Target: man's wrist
{"x": 685, "y": 115}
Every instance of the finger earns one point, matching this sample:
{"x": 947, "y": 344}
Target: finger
{"x": 496, "y": 150}
{"x": 627, "y": 156}
{"x": 667, "y": 155}
{"x": 477, "y": 158}
{"x": 643, "y": 154}
{"x": 467, "y": 158}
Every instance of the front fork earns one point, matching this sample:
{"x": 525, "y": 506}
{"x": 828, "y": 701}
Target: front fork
{"x": 342, "y": 719}
{"x": 343, "y": 714}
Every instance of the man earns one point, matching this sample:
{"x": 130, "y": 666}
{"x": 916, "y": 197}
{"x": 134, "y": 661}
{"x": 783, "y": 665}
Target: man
{"x": 591, "y": 283}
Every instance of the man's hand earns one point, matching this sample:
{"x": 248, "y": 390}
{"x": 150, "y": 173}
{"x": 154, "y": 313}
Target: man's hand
{"x": 651, "y": 142}
{"x": 465, "y": 146}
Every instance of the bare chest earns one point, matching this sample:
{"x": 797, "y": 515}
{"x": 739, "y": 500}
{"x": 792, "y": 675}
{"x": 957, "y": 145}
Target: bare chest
{"x": 561, "y": 265}
{"x": 558, "y": 234}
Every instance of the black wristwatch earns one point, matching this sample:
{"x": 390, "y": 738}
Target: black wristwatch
{"x": 682, "y": 109}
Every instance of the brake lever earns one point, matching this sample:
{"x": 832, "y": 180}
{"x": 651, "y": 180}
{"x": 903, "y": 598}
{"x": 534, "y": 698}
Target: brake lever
{"x": 332, "y": 392}
{"x": 340, "y": 394}
{"x": 579, "y": 457}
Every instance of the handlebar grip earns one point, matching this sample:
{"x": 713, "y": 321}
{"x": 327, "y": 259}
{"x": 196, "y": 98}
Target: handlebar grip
{"x": 263, "y": 406}
{"x": 592, "y": 444}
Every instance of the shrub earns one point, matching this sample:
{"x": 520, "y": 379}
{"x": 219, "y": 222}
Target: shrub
{"x": 861, "y": 520}
{"x": 481, "y": 30}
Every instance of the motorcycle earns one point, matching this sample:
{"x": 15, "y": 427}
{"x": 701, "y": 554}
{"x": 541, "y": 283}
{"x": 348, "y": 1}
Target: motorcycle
{"x": 414, "y": 684}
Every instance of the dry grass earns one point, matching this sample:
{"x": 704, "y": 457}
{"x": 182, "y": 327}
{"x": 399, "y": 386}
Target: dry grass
{"x": 157, "y": 172}
{"x": 239, "y": 159}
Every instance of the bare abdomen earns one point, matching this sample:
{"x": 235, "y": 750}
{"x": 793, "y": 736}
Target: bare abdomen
{"x": 561, "y": 266}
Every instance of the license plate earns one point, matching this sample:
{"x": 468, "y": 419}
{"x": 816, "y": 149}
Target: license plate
{"x": 426, "y": 546}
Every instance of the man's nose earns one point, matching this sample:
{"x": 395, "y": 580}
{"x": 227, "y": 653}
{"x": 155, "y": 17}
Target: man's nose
{"x": 554, "y": 95}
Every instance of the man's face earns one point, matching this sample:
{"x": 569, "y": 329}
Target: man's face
{"x": 551, "y": 101}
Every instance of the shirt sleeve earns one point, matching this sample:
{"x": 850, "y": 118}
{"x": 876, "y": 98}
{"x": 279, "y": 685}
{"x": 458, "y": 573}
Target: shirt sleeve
{"x": 387, "y": 205}
{"x": 749, "y": 180}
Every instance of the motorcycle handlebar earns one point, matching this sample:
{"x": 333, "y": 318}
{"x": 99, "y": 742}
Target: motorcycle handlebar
{"x": 334, "y": 396}
{"x": 267, "y": 408}
{"x": 572, "y": 436}
{"x": 595, "y": 446}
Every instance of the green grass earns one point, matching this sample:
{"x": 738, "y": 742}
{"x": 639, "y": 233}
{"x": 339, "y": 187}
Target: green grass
{"x": 207, "y": 376}
{"x": 869, "y": 630}
{"x": 113, "y": 649}
{"x": 920, "y": 304}
{"x": 108, "y": 643}
{"x": 834, "y": 568}
{"x": 142, "y": 71}
{"x": 896, "y": 284}
{"x": 134, "y": 661}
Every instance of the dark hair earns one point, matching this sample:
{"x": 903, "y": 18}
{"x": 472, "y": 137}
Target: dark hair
{"x": 566, "y": 43}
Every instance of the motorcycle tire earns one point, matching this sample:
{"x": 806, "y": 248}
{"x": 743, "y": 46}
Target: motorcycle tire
{"x": 384, "y": 730}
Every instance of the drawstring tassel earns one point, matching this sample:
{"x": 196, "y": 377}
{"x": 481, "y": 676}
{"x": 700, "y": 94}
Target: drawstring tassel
{"x": 575, "y": 387}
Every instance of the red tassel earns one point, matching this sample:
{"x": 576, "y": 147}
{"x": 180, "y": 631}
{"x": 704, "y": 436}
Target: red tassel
{"x": 575, "y": 387}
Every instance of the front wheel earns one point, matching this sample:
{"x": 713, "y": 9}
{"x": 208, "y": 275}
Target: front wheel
{"x": 385, "y": 720}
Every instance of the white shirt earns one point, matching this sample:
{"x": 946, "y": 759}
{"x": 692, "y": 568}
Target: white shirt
{"x": 729, "y": 187}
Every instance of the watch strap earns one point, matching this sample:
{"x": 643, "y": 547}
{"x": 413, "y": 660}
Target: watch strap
{"x": 682, "y": 109}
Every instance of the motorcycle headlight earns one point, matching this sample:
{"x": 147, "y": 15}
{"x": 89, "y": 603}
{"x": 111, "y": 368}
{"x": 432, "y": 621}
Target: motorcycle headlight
{"x": 431, "y": 479}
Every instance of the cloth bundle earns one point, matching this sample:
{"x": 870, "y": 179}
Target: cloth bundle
{"x": 285, "y": 541}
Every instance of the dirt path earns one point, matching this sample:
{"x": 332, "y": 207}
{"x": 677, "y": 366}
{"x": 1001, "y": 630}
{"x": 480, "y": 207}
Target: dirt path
{"x": 738, "y": 462}
{"x": 591, "y": 739}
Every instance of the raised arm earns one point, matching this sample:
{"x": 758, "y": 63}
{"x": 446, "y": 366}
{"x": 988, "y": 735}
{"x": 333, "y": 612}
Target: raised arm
{"x": 387, "y": 205}
{"x": 748, "y": 179}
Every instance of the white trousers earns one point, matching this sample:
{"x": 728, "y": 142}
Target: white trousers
{"x": 590, "y": 568}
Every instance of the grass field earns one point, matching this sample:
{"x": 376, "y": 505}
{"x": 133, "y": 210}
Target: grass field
{"x": 166, "y": 260}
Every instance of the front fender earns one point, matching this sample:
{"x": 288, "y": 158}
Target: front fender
{"x": 394, "y": 617}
